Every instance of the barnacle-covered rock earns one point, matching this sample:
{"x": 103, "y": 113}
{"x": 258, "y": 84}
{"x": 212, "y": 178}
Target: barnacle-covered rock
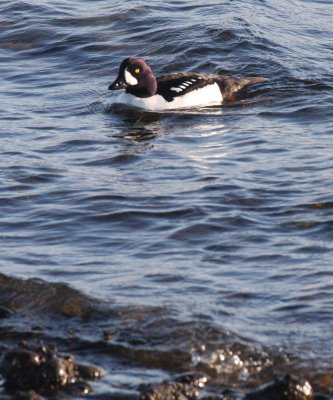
{"x": 183, "y": 387}
{"x": 287, "y": 388}
{"x": 42, "y": 370}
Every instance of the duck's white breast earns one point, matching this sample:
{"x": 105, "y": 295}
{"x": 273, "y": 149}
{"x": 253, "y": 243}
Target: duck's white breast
{"x": 207, "y": 95}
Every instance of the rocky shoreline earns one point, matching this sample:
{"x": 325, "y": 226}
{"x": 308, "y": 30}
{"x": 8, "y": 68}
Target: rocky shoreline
{"x": 37, "y": 372}
{"x": 57, "y": 343}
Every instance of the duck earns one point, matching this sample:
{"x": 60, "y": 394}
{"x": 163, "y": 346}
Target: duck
{"x": 174, "y": 91}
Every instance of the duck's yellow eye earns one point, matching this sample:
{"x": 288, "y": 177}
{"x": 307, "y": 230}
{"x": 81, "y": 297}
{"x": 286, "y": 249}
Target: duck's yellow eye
{"x": 137, "y": 70}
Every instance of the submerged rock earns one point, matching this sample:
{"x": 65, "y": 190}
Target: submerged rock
{"x": 90, "y": 372}
{"x": 5, "y": 312}
{"x": 287, "y": 388}
{"x": 43, "y": 370}
{"x": 183, "y": 387}
{"x": 30, "y": 395}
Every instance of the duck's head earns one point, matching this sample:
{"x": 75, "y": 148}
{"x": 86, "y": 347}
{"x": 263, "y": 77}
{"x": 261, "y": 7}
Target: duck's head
{"x": 135, "y": 75}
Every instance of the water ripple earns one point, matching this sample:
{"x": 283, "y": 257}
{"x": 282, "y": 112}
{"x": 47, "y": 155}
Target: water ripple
{"x": 220, "y": 217}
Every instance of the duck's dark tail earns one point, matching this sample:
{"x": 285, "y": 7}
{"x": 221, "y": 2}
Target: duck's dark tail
{"x": 230, "y": 85}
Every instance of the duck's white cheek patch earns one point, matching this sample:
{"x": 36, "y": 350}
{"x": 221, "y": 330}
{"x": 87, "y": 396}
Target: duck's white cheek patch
{"x": 129, "y": 78}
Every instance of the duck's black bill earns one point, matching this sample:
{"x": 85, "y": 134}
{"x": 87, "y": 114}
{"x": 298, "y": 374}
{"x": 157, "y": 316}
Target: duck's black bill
{"x": 118, "y": 84}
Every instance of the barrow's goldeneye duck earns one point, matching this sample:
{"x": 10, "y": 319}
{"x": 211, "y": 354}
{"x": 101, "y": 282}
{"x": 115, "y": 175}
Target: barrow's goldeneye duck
{"x": 182, "y": 90}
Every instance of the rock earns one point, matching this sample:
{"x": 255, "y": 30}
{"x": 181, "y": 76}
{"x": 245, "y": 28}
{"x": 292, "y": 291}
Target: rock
{"x": 5, "y": 312}
{"x": 90, "y": 372}
{"x": 39, "y": 369}
{"x": 78, "y": 388}
{"x": 287, "y": 388}
{"x": 183, "y": 387}
{"x": 30, "y": 395}
{"x": 43, "y": 370}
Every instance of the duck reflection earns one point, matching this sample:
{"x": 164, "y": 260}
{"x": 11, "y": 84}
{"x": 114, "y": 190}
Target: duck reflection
{"x": 137, "y": 125}
{"x": 142, "y": 126}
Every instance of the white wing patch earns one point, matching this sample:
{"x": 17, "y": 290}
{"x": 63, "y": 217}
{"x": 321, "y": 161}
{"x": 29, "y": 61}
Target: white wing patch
{"x": 176, "y": 89}
{"x": 183, "y": 86}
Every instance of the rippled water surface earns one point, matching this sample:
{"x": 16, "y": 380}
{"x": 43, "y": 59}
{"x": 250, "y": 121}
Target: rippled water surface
{"x": 206, "y": 227}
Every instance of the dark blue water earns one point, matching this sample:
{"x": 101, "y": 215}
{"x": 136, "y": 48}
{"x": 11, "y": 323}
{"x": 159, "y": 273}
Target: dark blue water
{"x": 206, "y": 227}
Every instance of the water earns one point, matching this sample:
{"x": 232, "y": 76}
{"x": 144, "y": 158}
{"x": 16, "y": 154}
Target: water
{"x": 206, "y": 231}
